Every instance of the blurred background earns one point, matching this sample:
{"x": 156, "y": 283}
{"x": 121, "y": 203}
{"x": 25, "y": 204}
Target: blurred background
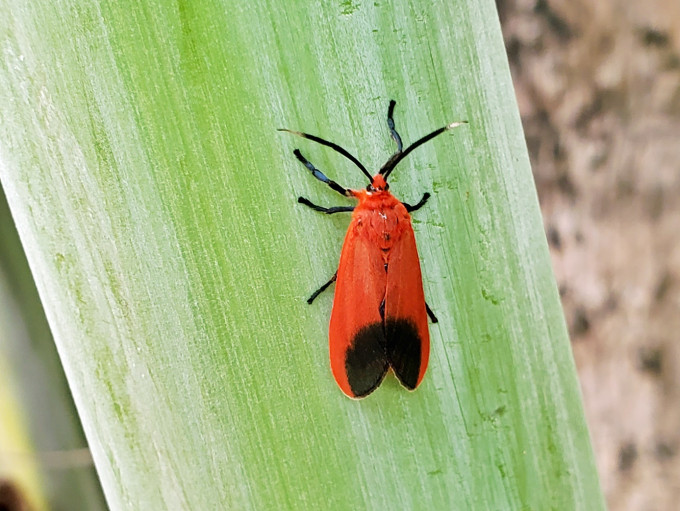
{"x": 43, "y": 451}
{"x": 598, "y": 86}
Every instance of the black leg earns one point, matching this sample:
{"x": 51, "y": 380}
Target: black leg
{"x": 320, "y": 175}
{"x": 420, "y": 204}
{"x": 433, "y": 318}
{"x": 328, "y": 211}
{"x": 322, "y": 288}
{"x": 390, "y": 124}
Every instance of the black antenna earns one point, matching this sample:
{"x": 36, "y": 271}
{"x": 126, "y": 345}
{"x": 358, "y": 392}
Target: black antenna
{"x": 336, "y": 147}
{"x": 394, "y": 160}
{"x": 390, "y": 125}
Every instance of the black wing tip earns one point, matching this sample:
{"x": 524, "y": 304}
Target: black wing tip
{"x": 410, "y": 386}
{"x": 365, "y": 360}
{"x": 404, "y": 354}
{"x": 356, "y": 395}
{"x": 374, "y": 351}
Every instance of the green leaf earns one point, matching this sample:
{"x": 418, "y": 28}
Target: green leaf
{"x": 157, "y": 205}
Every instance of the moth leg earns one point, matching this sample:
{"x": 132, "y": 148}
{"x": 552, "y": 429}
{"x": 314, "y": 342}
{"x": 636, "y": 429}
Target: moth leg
{"x": 328, "y": 211}
{"x": 433, "y": 318}
{"x": 322, "y": 288}
{"x": 417, "y": 206}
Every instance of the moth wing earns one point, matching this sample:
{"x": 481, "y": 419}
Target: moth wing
{"x": 356, "y": 335}
{"x": 406, "y": 328}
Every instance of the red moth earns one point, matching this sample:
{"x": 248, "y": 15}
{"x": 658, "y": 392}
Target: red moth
{"x": 379, "y": 318}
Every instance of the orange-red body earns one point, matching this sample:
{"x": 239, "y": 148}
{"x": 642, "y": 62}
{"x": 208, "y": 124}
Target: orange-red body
{"x": 379, "y": 318}
{"x": 378, "y": 292}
